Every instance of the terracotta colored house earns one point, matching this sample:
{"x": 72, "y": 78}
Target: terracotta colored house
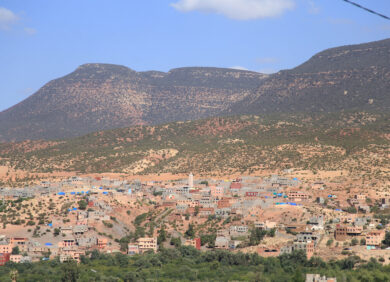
{"x": 342, "y": 232}
{"x": 4, "y": 258}
{"x": 375, "y": 238}
{"x": 194, "y": 243}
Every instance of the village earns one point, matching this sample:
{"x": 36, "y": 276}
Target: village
{"x": 271, "y": 216}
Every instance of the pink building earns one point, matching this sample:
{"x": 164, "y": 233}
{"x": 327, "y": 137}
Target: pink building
{"x": 375, "y": 238}
{"x": 217, "y": 191}
{"x": 6, "y": 248}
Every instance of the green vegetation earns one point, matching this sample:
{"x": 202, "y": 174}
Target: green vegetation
{"x": 190, "y": 231}
{"x": 140, "y": 218}
{"x": 56, "y": 232}
{"x": 175, "y": 241}
{"x": 386, "y": 241}
{"x": 351, "y": 210}
{"x": 188, "y": 264}
{"x": 226, "y": 145}
{"x": 162, "y": 235}
{"x": 15, "y": 250}
{"x": 208, "y": 239}
{"x": 82, "y": 205}
{"x": 108, "y": 224}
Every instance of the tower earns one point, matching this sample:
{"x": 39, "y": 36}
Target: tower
{"x": 191, "y": 180}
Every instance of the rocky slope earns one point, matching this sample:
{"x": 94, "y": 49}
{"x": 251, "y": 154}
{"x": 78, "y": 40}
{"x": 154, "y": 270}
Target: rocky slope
{"x": 353, "y": 77}
{"x": 101, "y": 96}
{"x": 355, "y": 142}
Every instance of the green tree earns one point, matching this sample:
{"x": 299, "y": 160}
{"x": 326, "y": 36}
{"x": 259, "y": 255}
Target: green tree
{"x": 176, "y": 241}
{"x": 162, "y": 235}
{"x": 70, "y": 272}
{"x": 190, "y": 231}
{"x": 82, "y": 204}
{"x": 15, "y": 250}
{"x": 256, "y": 236}
{"x": 56, "y": 232}
{"x": 298, "y": 276}
{"x": 352, "y": 210}
{"x": 386, "y": 241}
{"x": 196, "y": 211}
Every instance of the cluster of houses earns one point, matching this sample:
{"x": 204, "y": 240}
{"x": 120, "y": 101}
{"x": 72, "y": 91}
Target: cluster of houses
{"x": 242, "y": 203}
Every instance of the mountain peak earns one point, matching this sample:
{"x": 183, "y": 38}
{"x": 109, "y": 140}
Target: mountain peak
{"x": 105, "y": 96}
{"x": 354, "y": 77}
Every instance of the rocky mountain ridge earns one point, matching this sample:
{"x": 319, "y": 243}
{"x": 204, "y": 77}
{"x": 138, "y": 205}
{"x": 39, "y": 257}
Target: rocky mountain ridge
{"x": 99, "y": 97}
{"x": 355, "y": 77}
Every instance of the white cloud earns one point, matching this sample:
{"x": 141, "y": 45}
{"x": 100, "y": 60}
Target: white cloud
{"x": 239, "y": 68}
{"x": 237, "y": 9}
{"x": 7, "y": 18}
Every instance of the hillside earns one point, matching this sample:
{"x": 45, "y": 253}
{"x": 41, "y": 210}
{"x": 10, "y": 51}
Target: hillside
{"x": 101, "y": 96}
{"x": 353, "y": 77}
{"x": 355, "y": 142}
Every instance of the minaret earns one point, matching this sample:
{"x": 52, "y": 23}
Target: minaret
{"x": 191, "y": 180}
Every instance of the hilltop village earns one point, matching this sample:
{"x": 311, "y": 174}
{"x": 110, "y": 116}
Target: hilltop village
{"x": 272, "y": 215}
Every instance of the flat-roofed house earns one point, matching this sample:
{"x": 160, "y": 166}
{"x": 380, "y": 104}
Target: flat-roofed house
{"x": 375, "y": 238}
{"x": 146, "y": 244}
{"x": 222, "y": 243}
{"x": 132, "y": 249}
{"x": 342, "y": 232}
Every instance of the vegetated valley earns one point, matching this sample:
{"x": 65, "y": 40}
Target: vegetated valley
{"x": 357, "y": 142}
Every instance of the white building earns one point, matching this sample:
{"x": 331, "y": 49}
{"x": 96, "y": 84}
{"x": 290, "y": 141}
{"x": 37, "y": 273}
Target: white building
{"x": 191, "y": 180}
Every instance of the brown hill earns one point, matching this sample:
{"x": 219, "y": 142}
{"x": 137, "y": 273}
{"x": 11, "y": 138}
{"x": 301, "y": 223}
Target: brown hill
{"x": 357, "y": 142}
{"x": 353, "y": 77}
{"x": 101, "y": 96}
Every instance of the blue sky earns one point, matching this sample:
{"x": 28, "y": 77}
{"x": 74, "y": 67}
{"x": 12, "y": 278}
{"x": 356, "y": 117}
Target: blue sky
{"x": 42, "y": 40}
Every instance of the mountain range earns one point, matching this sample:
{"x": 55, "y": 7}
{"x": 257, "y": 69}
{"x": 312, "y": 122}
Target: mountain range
{"x": 99, "y": 97}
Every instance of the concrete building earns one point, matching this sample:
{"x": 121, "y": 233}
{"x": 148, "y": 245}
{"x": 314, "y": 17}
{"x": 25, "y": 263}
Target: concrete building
{"x": 102, "y": 243}
{"x": 319, "y": 278}
{"x": 146, "y": 244}
{"x": 194, "y": 243}
{"x": 4, "y": 258}
{"x": 342, "y": 232}
{"x": 267, "y": 225}
{"x": 20, "y": 259}
{"x": 375, "y": 238}
{"x": 5, "y": 247}
{"x": 307, "y": 247}
{"x": 298, "y": 196}
{"x": 308, "y": 236}
{"x": 222, "y": 243}
{"x": 132, "y": 249}
{"x": 191, "y": 180}
{"x": 238, "y": 230}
